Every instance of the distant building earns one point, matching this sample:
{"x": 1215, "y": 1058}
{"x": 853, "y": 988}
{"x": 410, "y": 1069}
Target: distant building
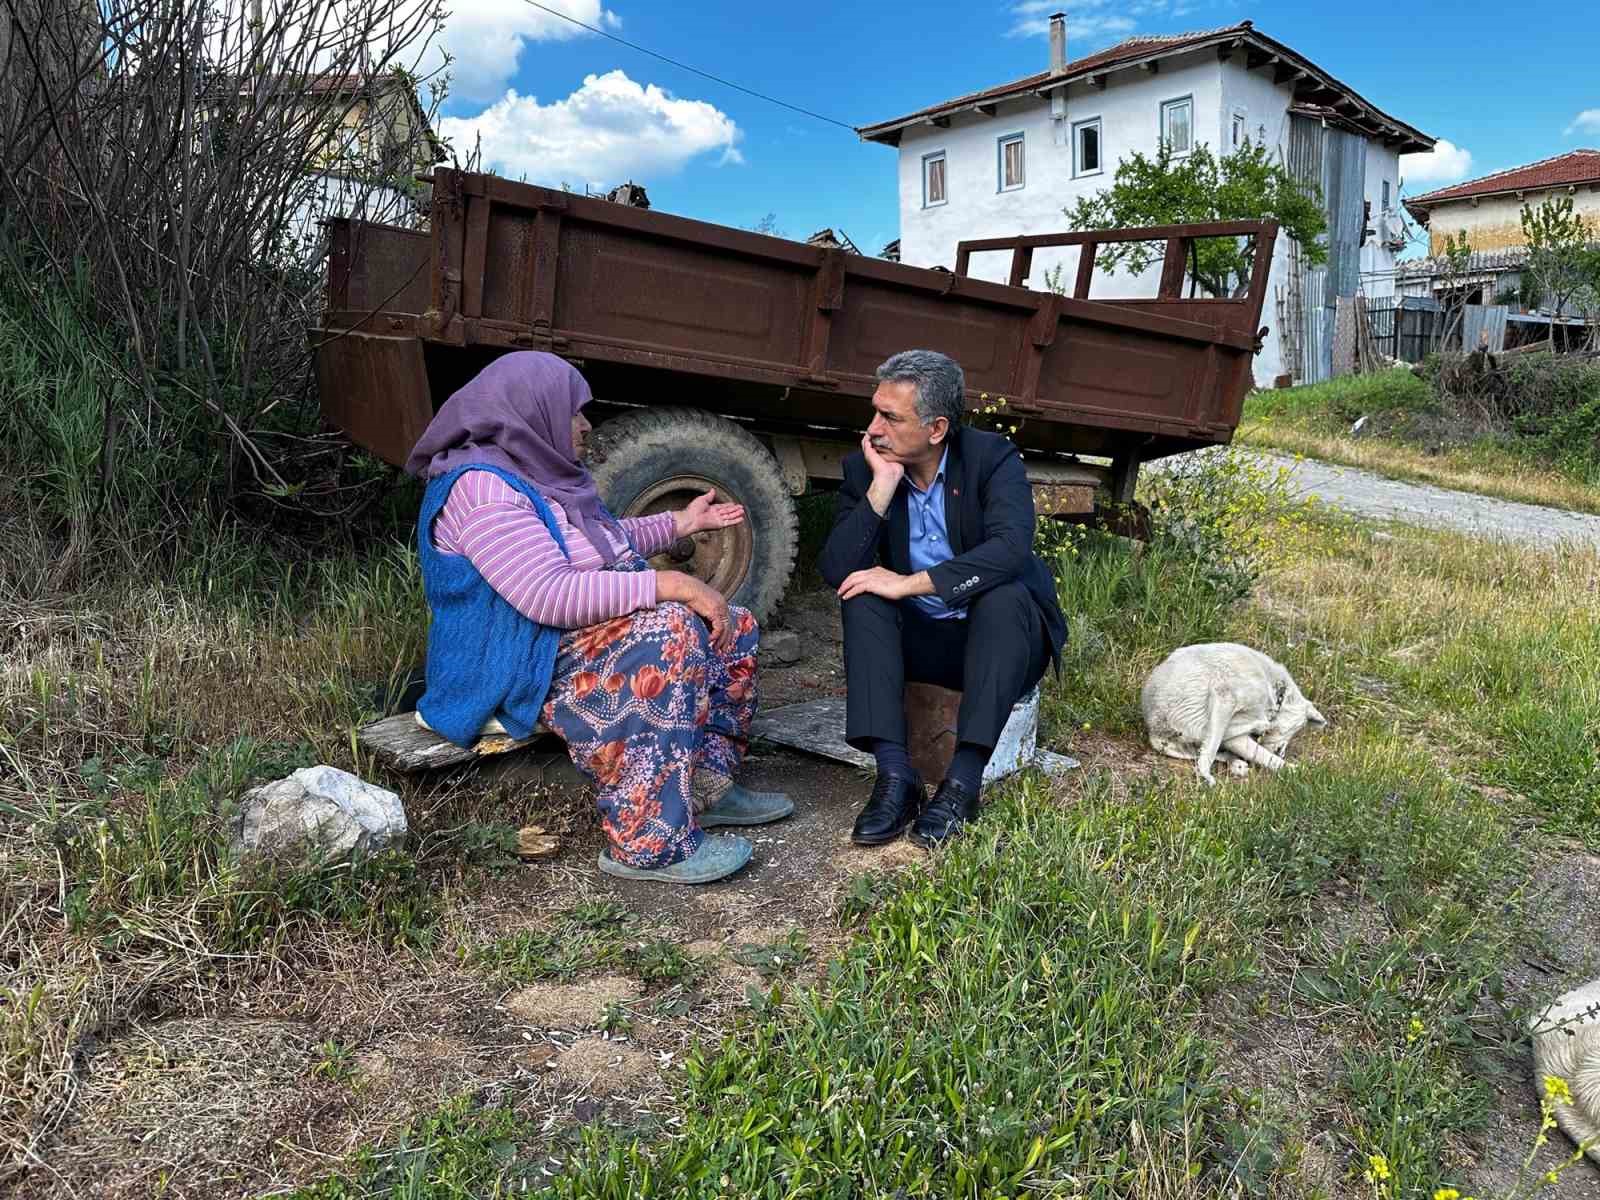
{"x": 829, "y": 240}
{"x": 1009, "y": 160}
{"x": 377, "y": 140}
{"x": 1488, "y": 211}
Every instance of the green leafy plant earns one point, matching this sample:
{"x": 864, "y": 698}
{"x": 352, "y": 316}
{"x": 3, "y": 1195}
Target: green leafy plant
{"x": 1249, "y": 183}
{"x": 335, "y": 1062}
{"x": 1558, "y": 247}
{"x": 663, "y": 961}
{"x": 773, "y": 959}
{"x": 615, "y": 1019}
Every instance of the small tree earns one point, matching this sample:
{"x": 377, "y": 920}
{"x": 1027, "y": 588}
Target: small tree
{"x": 1558, "y": 260}
{"x": 1451, "y": 280}
{"x": 1249, "y": 184}
{"x": 1588, "y": 296}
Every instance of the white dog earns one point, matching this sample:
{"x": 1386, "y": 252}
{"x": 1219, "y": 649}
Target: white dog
{"x": 1227, "y": 701}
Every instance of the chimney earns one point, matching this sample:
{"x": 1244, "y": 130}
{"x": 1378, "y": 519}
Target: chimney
{"x": 1058, "y": 43}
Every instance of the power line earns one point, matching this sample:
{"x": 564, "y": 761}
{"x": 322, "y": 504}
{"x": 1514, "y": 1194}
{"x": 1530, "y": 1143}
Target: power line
{"x": 682, "y": 66}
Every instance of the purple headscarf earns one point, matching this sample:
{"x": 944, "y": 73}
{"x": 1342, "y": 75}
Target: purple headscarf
{"x": 516, "y": 414}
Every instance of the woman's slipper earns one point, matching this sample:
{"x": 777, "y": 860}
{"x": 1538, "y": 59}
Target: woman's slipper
{"x": 720, "y": 855}
{"x": 739, "y": 806}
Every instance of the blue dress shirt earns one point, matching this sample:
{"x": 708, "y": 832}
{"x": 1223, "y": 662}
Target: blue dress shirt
{"x": 930, "y": 538}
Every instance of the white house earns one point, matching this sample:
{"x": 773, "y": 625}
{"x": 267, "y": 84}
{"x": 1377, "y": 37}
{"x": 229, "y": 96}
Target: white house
{"x": 1009, "y": 159}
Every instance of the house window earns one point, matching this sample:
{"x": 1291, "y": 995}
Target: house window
{"x": 1239, "y": 133}
{"x": 1385, "y": 195}
{"x": 933, "y": 190}
{"x": 1011, "y": 163}
{"x": 1086, "y": 147}
{"x": 1177, "y": 124}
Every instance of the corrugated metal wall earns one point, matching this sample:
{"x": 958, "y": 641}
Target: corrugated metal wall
{"x": 1483, "y": 327}
{"x": 1309, "y": 283}
{"x": 1344, "y": 173}
{"x": 1336, "y": 162}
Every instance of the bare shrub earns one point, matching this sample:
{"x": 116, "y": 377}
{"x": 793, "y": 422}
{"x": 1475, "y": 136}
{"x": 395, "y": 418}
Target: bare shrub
{"x": 164, "y": 165}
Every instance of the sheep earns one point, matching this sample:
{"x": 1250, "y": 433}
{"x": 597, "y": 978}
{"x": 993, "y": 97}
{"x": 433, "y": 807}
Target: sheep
{"x": 1566, "y": 1044}
{"x": 1224, "y": 701}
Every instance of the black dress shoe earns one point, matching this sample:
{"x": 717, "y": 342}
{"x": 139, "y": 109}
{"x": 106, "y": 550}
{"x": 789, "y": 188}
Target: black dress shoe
{"x": 952, "y": 807}
{"x": 894, "y": 804}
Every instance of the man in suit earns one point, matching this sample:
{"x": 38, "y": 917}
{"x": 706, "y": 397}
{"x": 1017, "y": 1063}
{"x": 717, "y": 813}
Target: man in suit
{"x": 932, "y": 555}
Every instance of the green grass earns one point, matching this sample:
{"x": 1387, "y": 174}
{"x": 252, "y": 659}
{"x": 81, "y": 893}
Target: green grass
{"x": 1337, "y": 403}
{"x": 1005, "y": 1018}
{"x": 1050, "y": 1006}
{"x": 1411, "y": 437}
{"x": 587, "y": 937}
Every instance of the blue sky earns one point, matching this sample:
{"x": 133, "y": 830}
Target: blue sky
{"x": 557, "y": 104}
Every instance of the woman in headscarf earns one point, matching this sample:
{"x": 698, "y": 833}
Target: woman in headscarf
{"x": 544, "y": 609}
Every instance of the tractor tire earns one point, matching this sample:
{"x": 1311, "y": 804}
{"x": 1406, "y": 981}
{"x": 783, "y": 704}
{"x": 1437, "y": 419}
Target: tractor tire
{"x": 657, "y": 459}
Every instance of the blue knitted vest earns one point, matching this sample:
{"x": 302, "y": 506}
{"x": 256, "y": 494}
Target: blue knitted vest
{"x": 485, "y": 659}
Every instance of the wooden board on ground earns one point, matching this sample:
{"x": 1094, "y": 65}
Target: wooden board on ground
{"x": 817, "y": 727}
{"x": 399, "y": 742}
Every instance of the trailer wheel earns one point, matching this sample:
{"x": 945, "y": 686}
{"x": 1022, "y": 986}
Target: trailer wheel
{"x": 656, "y": 459}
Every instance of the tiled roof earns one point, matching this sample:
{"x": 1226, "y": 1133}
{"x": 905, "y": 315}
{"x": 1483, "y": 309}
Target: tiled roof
{"x": 1145, "y": 48}
{"x": 1077, "y": 68}
{"x": 1506, "y": 258}
{"x": 1575, "y": 166}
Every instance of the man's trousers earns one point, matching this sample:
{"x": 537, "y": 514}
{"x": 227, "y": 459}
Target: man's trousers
{"x": 993, "y": 658}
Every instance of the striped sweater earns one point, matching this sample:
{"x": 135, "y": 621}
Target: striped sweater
{"x": 497, "y": 531}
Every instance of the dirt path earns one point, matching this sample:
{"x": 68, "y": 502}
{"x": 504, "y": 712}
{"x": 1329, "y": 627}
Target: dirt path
{"x": 1365, "y": 494}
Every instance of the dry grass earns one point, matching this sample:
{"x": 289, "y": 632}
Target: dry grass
{"x": 171, "y": 1023}
{"x": 1480, "y": 469}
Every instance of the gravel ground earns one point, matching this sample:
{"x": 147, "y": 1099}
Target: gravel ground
{"x": 1369, "y": 495}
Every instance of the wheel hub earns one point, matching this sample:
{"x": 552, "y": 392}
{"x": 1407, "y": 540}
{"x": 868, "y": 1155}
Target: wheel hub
{"x": 719, "y": 557}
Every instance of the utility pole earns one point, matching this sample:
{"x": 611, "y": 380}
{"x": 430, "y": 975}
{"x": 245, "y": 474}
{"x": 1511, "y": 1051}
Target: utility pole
{"x": 259, "y": 23}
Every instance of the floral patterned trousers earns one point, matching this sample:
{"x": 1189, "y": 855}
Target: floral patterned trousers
{"x": 658, "y": 719}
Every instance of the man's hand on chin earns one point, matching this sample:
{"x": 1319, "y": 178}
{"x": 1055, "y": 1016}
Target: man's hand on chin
{"x": 886, "y": 476}
{"x": 880, "y": 581}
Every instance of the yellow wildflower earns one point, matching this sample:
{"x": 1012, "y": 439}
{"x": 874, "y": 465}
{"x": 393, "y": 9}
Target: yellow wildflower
{"x": 1447, "y": 1194}
{"x": 1556, "y": 1089}
{"x": 1378, "y": 1168}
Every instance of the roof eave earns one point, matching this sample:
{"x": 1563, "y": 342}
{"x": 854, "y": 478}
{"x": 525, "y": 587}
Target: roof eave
{"x": 1429, "y": 202}
{"x": 1408, "y": 139}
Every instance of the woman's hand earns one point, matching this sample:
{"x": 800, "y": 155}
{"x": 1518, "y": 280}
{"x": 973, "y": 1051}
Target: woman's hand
{"x": 704, "y": 513}
{"x": 703, "y": 600}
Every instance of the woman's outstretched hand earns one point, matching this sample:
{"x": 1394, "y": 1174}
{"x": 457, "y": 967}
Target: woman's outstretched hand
{"x": 704, "y": 513}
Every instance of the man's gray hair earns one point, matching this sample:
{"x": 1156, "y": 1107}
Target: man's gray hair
{"x": 941, "y": 387}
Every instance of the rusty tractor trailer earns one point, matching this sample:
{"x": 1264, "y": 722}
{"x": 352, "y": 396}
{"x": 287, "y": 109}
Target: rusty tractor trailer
{"x": 727, "y": 359}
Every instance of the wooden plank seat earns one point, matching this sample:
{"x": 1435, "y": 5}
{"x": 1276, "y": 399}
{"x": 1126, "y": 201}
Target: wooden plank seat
{"x": 404, "y": 743}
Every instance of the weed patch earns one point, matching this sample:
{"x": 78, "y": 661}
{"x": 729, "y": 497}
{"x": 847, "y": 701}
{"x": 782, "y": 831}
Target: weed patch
{"x": 1533, "y": 437}
{"x": 1005, "y": 1021}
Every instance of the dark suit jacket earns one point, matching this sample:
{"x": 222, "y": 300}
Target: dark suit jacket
{"x": 988, "y": 510}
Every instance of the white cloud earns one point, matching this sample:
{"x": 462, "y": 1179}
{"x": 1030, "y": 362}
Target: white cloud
{"x": 1588, "y": 121}
{"x": 1089, "y": 23}
{"x": 1445, "y": 163}
{"x": 486, "y": 38}
{"x": 609, "y": 130}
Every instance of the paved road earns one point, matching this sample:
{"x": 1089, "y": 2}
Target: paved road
{"x": 1369, "y": 495}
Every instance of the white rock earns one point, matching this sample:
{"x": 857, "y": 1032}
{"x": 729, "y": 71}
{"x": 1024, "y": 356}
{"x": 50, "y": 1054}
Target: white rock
{"x": 320, "y": 810}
